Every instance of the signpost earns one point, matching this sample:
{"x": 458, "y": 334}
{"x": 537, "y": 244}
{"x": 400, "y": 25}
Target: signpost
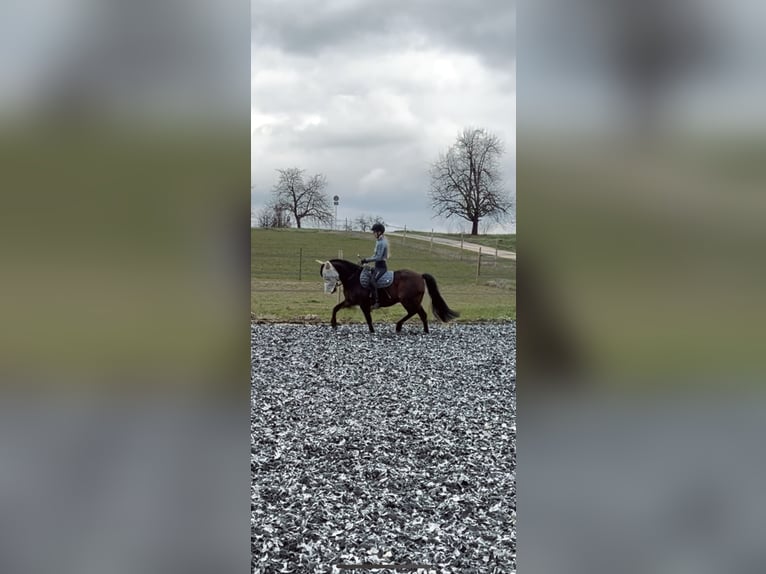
{"x": 335, "y": 200}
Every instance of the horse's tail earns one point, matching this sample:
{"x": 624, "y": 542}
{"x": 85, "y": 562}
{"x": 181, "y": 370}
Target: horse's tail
{"x": 438, "y": 304}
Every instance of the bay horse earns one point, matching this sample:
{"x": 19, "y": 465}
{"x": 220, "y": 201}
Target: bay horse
{"x": 407, "y": 288}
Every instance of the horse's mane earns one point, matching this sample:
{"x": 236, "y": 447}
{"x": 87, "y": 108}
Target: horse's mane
{"x": 346, "y": 265}
{"x": 345, "y": 269}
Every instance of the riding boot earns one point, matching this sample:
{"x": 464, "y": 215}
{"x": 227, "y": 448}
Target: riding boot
{"x": 375, "y": 304}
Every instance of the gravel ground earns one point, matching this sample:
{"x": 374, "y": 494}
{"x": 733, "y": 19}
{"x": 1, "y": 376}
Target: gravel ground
{"x": 383, "y": 452}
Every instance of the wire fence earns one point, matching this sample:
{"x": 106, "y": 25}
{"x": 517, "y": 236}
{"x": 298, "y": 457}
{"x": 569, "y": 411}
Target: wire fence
{"x": 449, "y": 265}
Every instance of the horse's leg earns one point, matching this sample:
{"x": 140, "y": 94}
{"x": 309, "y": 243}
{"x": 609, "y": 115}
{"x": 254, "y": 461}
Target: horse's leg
{"x": 423, "y": 317}
{"x": 342, "y": 305}
{"x": 412, "y": 307}
{"x": 366, "y": 310}
{"x": 401, "y": 321}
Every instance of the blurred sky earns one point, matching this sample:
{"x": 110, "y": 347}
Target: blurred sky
{"x": 369, "y": 93}
{"x": 701, "y": 63}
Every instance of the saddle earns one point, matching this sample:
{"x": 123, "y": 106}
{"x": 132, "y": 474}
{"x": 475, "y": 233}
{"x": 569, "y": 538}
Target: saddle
{"x": 383, "y": 281}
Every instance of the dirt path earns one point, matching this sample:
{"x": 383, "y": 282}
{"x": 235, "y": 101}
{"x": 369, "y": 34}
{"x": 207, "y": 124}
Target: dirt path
{"x": 466, "y": 246}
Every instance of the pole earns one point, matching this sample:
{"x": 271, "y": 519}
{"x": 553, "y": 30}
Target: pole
{"x": 404, "y": 239}
{"x": 497, "y": 242}
{"x": 300, "y": 264}
{"x": 340, "y": 256}
{"x": 432, "y": 239}
{"x": 461, "y": 246}
{"x": 478, "y": 266}
{"x": 335, "y": 200}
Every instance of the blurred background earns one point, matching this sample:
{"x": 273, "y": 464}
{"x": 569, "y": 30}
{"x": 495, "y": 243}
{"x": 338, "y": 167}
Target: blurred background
{"x": 124, "y": 145}
{"x": 643, "y": 173}
{"x": 641, "y": 209}
{"x": 124, "y": 339}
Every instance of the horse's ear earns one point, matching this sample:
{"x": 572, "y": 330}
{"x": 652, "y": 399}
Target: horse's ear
{"x": 320, "y": 262}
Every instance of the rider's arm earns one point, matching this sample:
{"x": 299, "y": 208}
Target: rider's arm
{"x": 378, "y": 255}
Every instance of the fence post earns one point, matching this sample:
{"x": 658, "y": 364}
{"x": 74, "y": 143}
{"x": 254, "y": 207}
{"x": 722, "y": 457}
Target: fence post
{"x": 478, "y": 266}
{"x": 300, "y": 264}
{"x": 432, "y": 240}
{"x": 461, "y": 246}
{"x": 497, "y": 242}
{"x": 404, "y": 239}
{"x": 340, "y": 256}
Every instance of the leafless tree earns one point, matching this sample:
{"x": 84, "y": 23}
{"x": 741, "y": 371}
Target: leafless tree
{"x": 365, "y": 222}
{"x": 273, "y": 215}
{"x": 304, "y": 199}
{"x": 263, "y": 217}
{"x": 362, "y": 222}
{"x": 466, "y": 181}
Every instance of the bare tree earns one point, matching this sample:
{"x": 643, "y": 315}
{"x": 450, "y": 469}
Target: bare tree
{"x": 281, "y": 216}
{"x": 264, "y": 217}
{"x": 363, "y": 222}
{"x": 304, "y": 199}
{"x": 466, "y": 180}
{"x": 273, "y": 215}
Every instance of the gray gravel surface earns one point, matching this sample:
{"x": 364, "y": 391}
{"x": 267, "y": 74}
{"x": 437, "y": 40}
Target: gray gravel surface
{"x": 383, "y": 452}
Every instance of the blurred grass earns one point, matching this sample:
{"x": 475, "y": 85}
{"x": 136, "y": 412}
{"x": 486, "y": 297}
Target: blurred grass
{"x": 118, "y": 252}
{"x": 653, "y": 253}
{"x": 278, "y": 294}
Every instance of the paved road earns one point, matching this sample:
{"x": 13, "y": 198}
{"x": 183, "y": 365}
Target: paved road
{"x": 467, "y": 246}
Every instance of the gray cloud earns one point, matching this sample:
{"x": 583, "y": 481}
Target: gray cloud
{"x": 487, "y": 30}
{"x": 369, "y": 93}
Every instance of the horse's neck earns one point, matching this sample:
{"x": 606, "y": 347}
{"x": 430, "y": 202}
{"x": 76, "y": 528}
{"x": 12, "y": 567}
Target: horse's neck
{"x": 346, "y": 271}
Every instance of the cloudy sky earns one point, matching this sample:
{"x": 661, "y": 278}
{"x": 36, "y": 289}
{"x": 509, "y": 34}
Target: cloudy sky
{"x": 368, "y": 93}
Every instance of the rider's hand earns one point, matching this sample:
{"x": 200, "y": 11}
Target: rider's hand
{"x": 363, "y": 261}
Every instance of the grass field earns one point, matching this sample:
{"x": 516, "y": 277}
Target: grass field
{"x": 285, "y": 284}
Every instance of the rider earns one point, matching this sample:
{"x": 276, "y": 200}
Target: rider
{"x": 379, "y": 257}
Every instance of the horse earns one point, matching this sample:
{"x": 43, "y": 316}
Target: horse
{"x": 407, "y": 288}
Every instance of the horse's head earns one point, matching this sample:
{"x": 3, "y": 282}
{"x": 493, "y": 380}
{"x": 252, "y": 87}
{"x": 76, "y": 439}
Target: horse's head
{"x": 330, "y": 275}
